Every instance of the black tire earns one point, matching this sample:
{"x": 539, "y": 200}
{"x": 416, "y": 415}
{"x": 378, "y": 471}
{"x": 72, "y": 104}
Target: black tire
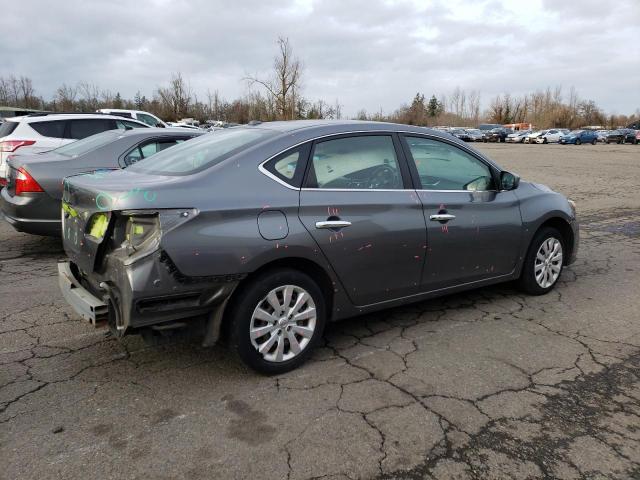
{"x": 544, "y": 140}
{"x": 594, "y": 141}
{"x": 249, "y": 298}
{"x": 527, "y": 281}
{"x": 578, "y": 141}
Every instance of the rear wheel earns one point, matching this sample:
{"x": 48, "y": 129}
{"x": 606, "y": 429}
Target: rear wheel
{"x": 277, "y": 320}
{"x": 543, "y": 263}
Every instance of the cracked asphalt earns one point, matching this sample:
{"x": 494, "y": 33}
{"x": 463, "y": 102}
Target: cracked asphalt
{"x": 485, "y": 384}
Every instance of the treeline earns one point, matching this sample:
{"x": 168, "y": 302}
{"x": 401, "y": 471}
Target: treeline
{"x": 278, "y": 97}
{"x": 543, "y": 109}
{"x": 172, "y": 102}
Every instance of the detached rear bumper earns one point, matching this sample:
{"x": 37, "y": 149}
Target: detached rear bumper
{"x": 145, "y": 293}
{"x": 83, "y": 302}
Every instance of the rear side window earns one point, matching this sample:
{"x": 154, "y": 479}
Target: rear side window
{"x": 90, "y": 126}
{"x": 148, "y": 119}
{"x": 53, "y": 129}
{"x": 148, "y": 149}
{"x": 7, "y": 128}
{"x": 289, "y": 166}
{"x": 203, "y": 152}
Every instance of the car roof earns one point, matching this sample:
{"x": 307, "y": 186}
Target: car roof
{"x": 151, "y": 131}
{"x": 66, "y": 116}
{"x": 342, "y": 126}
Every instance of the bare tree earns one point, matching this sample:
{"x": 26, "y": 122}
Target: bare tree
{"x": 65, "y": 97}
{"x": 285, "y": 81}
{"x": 176, "y": 97}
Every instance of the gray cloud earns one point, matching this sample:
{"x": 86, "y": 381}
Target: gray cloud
{"x": 372, "y": 55}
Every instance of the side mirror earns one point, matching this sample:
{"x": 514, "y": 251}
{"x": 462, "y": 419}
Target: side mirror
{"x": 509, "y": 181}
{"x": 159, "y": 125}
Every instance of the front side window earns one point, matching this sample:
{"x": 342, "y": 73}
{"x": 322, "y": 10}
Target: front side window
{"x": 359, "y": 162}
{"x": 84, "y": 128}
{"x": 442, "y": 166}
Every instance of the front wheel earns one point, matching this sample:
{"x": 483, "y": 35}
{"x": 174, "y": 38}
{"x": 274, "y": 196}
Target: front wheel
{"x": 277, "y": 320}
{"x": 578, "y": 141}
{"x": 543, "y": 263}
{"x": 594, "y": 141}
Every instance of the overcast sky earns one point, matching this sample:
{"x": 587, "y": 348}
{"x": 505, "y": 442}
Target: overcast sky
{"x": 367, "y": 54}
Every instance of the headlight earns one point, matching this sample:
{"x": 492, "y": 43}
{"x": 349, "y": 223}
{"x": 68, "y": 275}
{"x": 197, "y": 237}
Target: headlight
{"x": 572, "y": 204}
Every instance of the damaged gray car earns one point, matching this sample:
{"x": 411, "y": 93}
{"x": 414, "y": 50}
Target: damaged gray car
{"x": 261, "y": 234}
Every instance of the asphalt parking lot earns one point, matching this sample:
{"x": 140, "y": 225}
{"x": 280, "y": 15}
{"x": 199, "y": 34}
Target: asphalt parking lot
{"x": 486, "y": 384}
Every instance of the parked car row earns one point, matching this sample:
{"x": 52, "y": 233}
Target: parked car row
{"x": 497, "y": 133}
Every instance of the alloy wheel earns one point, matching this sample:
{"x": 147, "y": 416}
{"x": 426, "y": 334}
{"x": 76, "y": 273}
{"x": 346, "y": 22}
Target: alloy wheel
{"x": 283, "y": 323}
{"x": 548, "y": 264}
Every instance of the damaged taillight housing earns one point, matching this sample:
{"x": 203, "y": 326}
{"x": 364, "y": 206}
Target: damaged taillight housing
{"x": 138, "y": 232}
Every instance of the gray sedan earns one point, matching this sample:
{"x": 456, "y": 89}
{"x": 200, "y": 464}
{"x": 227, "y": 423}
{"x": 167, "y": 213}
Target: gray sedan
{"x": 31, "y": 200}
{"x": 266, "y": 232}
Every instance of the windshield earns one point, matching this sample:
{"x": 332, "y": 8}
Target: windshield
{"x": 88, "y": 144}
{"x": 202, "y": 152}
{"x": 576, "y": 132}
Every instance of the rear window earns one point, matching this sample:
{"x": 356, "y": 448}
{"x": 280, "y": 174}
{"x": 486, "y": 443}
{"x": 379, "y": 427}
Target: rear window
{"x": 202, "y": 152}
{"x": 7, "y": 128}
{"x": 88, "y": 144}
{"x": 53, "y": 128}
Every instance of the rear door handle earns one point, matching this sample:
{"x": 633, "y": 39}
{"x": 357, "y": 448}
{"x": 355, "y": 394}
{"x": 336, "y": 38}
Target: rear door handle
{"x": 333, "y": 224}
{"x": 442, "y": 217}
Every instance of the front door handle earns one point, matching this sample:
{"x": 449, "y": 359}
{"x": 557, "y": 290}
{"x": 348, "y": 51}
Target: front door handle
{"x": 442, "y": 217}
{"x": 333, "y": 224}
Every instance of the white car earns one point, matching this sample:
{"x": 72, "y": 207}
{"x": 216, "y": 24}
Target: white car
{"x": 144, "y": 117}
{"x": 41, "y": 132}
{"x": 531, "y": 138}
{"x": 517, "y": 137}
{"x": 552, "y": 136}
{"x": 183, "y": 125}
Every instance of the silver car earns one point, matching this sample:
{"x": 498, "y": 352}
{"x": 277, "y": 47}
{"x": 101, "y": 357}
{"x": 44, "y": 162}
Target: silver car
{"x": 264, "y": 233}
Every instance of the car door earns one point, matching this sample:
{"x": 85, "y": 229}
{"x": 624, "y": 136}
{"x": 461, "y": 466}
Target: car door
{"x": 358, "y": 204}
{"x": 473, "y": 229}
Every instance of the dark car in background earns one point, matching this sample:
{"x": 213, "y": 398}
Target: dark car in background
{"x": 616, "y": 136}
{"x": 264, "y": 233}
{"x": 631, "y": 136}
{"x": 578, "y": 137}
{"x": 31, "y": 200}
{"x": 497, "y": 135}
{"x": 475, "y": 133}
{"x": 462, "y": 134}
